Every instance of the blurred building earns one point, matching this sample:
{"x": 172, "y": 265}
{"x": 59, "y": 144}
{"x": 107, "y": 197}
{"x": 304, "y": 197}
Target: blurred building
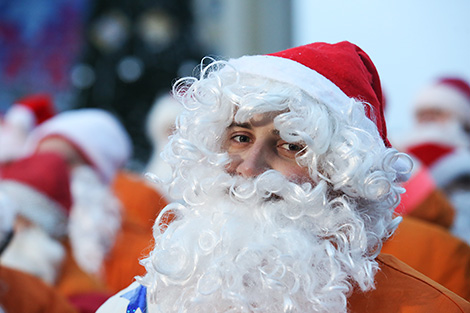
{"x": 232, "y": 28}
{"x": 39, "y": 42}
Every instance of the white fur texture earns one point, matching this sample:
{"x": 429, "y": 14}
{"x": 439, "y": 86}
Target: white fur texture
{"x": 95, "y": 219}
{"x": 33, "y": 251}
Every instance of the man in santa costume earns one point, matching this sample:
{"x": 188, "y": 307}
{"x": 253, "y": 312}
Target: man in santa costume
{"x": 38, "y": 188}
{"x": 289, "y": 185}
{"x": 440, "y": 141}
{"x": 95, "y": 145}
{"x": 112, "y": 209}
{"x": 22, "y": 292}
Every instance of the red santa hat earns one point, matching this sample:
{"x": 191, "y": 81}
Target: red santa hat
{"x": 448, "y": 94}
{"x": 31, "y": 111}
{"x": 331, "y": 73}
{"x": 39, "y": 185}
{"x": 97, "y": 134}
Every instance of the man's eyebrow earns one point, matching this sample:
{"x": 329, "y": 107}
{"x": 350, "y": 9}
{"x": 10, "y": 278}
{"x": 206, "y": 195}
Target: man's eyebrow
{"x": 241, "y": 125}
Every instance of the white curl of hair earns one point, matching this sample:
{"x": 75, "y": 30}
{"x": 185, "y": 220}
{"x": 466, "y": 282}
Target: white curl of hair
{"x": 355, "y": 192}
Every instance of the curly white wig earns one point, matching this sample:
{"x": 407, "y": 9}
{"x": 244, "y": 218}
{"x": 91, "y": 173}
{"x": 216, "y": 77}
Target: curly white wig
{"x": 344, "y": 215}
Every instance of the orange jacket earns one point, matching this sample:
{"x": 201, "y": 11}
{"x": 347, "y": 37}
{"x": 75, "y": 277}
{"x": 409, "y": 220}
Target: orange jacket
{"x": 401, "y": 289}
{"x": 433, "y": 251}
{"x": 24, "y": 293}
{"x": 141, "y": 203}
{"x": 72, "y": 280}
{"x": 436, "y": 209}
{"x": 75, "y": 284}
{"x": 424, "y": 200}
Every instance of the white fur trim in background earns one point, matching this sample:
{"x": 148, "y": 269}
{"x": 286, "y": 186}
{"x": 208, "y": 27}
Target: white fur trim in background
{"x": 96, "y": 132}
{"x": 20, "y": 116}
{"x": 295, "y": 74}
{"x": 37, "y": 207}
{"x": 446, "y": 98}
{"x": 451, "y": 166}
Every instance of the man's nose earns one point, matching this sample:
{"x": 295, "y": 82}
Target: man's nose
{"x": 253, "y": 162}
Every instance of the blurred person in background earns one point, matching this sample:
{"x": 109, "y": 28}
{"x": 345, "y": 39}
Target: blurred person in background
{"x": 21, "y": 292}
{"x": 112, "y": 209}
{"x": 423, "y": 239}
{"x": 424, "y": 200}
{"x": 18, "y": 122}
{"x": 289, "y": 186}
{"x": 160, "y": 124}
{"x": 440, "y": 140}
{"x": 95, "y": 146}
{"x": 38, "y": 188}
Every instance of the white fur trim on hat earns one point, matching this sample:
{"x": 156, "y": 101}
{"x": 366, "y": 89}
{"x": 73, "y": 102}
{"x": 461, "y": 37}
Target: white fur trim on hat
{"x": 295, "y": 74}
{"x": 97, "y": 133}
{"x": 21, "y": 116}
{"x": 446, "y": 98}
{"x": 307, "y": 79}
{"x": 37, "y": 207}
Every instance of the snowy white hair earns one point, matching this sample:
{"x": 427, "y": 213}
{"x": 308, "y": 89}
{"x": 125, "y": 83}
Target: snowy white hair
{"x": 344, "y": 215}
{"x": 340, "y": 149}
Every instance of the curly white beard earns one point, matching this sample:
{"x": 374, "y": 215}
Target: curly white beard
{"x": 95, "y": 219}
{"x": 33, "y": 251}
{"x": 262, "y": 245}
{"x": 449, "y": 133}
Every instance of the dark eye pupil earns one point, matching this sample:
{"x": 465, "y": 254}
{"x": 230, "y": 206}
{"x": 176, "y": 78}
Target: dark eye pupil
{"x": 243, "y": 138}
{"x": 294, "y": 147}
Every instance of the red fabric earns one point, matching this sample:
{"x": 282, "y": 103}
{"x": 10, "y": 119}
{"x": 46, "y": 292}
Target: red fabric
{"x": 40, "y": 104}
{"x": 428, "y": 153}
{"x": 46, "y": 173}
{"x": 89, "y": 302}
{"x": 418, "y": 188}
{"x": 348, "y": 67}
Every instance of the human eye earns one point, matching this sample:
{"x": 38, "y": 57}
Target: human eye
{"x": 291, "y": 149}
{"x": 294, "y": 147}
{"x": 241, "y": 138}
{"x": 237, "y": 139}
